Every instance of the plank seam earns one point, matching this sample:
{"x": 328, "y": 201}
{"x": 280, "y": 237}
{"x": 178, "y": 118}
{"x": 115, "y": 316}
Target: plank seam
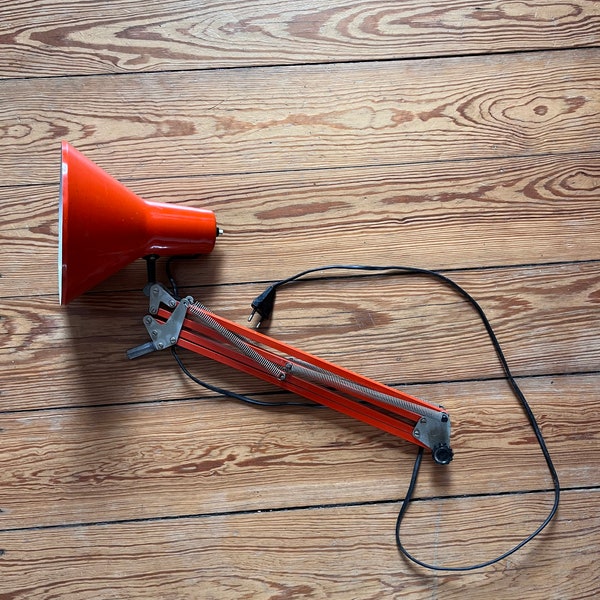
{"x": 286, "y": 509}
{"x": 449, "y": 161}
{"x": 217, "y": 398}
{"x": 514, "y": 266}
{"x": 294, "y": 65}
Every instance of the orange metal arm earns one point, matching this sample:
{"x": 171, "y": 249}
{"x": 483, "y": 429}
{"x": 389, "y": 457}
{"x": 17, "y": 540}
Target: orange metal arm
{"x": 189, "y": 325}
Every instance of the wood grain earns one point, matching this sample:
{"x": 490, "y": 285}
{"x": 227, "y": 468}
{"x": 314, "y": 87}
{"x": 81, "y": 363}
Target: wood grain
{"x": 396, "y": 331}
{"x": 444, "y": 134}
{"x": 442, "y": 215}
{"x": 43, "y": 38}
{"x": 360, "y": 114}
{"x": 313, "y": 554}
{"x": 170, "y": 459}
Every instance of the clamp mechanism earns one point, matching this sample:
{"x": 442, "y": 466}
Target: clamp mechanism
{"x": 190, "y": 325}
{"x": 163, "y": 334}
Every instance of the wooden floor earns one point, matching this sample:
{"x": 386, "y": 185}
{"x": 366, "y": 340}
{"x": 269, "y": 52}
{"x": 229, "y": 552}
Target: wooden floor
{"x": 444, "y": 134}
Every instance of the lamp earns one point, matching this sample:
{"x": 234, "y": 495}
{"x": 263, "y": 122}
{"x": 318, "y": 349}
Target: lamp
{"x": 103, "y": 226}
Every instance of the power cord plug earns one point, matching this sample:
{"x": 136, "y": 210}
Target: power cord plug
{"x": 263, "y": 304}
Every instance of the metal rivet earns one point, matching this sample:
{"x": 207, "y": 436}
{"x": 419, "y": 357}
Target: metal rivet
{"x": 416, "y": 433}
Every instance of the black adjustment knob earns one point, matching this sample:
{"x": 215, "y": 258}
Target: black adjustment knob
{"x": 442, "y": 454}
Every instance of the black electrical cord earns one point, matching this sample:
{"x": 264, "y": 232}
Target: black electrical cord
{"x": 169, "y": 271}
{"x": 263, "y": 305}
{"x": 229, "y": 393}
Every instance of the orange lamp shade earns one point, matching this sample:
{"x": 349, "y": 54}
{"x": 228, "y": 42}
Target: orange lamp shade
{"x": 103, "y": 226}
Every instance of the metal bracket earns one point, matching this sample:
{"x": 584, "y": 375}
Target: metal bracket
{"x": 163, "y": 335}
{"x": 434, "y": 432}
{"x": 158, "y": 295}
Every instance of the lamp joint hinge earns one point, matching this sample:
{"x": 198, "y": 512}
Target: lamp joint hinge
{"x": 162, "y": 335}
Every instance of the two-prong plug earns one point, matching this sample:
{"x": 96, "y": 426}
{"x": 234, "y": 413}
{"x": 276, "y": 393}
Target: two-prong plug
{"x": 263, "y": 304}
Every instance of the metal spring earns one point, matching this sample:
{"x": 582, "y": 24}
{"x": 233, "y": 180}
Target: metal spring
{"x": 310, "y": 372}
{"x": 202, "y": 315}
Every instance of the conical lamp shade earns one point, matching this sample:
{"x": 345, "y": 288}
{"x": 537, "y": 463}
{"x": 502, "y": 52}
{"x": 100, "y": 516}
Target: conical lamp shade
{"x": 103, "y": 226}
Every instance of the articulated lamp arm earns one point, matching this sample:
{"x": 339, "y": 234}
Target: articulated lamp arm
{"x": 190, "y": 325}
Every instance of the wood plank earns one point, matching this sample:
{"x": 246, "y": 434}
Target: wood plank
{"x": 43, "y": 38}
{"x": 313, "y": 554}
{"x": 393, "y": 330}
{"x": 171, "y": 459}
{"x": 443, "y": 215}
{"x": 239, "y": 121}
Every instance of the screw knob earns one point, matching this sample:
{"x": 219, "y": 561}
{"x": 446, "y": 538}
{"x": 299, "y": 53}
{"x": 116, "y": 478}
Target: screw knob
{"x": 442, "y": 454}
